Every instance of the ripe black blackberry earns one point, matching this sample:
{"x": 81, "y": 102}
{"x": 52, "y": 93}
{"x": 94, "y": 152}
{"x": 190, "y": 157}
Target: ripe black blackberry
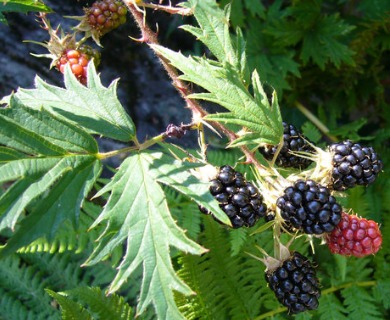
{"x": 353, "y": 164}
{"x": 240, "y": 200}
{"x": 309, "y": 207}
{"x": 295, "y": 283}
{"x": 293, "y": 140}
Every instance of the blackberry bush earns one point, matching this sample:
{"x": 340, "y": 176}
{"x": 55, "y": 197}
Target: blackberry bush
{"x": 138, "y": 222}
{"x": 240, "y": 200}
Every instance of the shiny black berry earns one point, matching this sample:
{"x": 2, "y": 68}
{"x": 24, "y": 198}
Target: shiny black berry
{"x": 295, "y": 284}
{"x": 353, "y": 165}
{"x": 309, "y": 207}
{"x": 240, "y": 200}
{"x": 293, "y": 140}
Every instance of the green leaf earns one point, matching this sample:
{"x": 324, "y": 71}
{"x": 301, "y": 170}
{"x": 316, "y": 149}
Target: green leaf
{"x": 22, "y": 6}
{"x": 359, "y": 301}
{"x": 214, "y": 29}
{"x": 40, "y": 132}
{"x": 8, "y": 154}
{"x": 176, "y": 175}
{"x": 94, "y": 107}
{"x": 71, "y": 310}
{"x": 330, "y": 308}
{"x": 49, "y": 166}
{"x": 51, "y": 190}
{"x": 225, "y": 88}
{"x": 322, "y": 42}
{"x": 100, "y": 305}
{"x": 137, "y": 211}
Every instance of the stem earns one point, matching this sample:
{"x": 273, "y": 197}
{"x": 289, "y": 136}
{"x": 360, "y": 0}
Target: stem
{"x": 150, "y": 37}
{"x": 315, "y": 120}
{"x": 137, "y": 147}
{"x": 324, "y": 292}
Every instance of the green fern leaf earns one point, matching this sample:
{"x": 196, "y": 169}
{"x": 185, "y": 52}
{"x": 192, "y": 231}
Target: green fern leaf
{"x": 330, "y": 308}
{"x": 93, "y": 107}
{"x": 237, "y": 240}
{"x": 12, "y": 308}
{"x": 70, "y": 310}
{"x": 358, "y": 302}
{"x": 99, "y": 305}
{"x": 26, "y": 285}
{"x": 382, "y": 292}
{"x": 137, "y": 211}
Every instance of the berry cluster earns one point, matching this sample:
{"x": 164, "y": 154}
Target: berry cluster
{"x": 78, "y": 61}
{"x": 240, "y": 200}
{"x": 295, "y": 284}
{"x": 309, "y": 207}
{"x": 293, "y": 141}
{"x": 355, "y": 236}
{"x": 102, "y": 17}
{"x": 353, "y": 165}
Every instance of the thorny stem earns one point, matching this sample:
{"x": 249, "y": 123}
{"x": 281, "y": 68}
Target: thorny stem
{"x": 150, "y": 37}
{"x": 324, "y": 292}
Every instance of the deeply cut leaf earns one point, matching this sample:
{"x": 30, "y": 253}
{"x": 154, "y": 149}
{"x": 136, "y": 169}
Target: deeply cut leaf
{"x": 48, "y": 166}
{"x": 137, "y": 212}
{"x": 225, "y": 87}
{"x": 95, "y": 107}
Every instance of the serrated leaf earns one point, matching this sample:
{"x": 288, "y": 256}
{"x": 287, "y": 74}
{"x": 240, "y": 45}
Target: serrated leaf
{"x": 214, "y": 29}
{"x": 94, "y": 107}
{"x": 225, "y": 88}
{"x": 37, "y": 131}
{"x": 323, "y": 45}
{"x": 49, "y": 166}
{"x": 176, "y": 175}
{"x": 137, "y": 212}
{"x": 51, "y": 198}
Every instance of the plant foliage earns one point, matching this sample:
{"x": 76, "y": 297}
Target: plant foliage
{"x": 75, "y": 245}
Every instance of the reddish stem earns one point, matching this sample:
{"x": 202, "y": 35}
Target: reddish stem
{"x": 150, "y": 37}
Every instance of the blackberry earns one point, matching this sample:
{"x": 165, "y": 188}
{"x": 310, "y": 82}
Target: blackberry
{"x": 309, "y": 207}
{"x": 295, "y": 284}
{"x": 293, "y": 140}
{"x": 353, "y": 165}
{"x": 240, "y": 200}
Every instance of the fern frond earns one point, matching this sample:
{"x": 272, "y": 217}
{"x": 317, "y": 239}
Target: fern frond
{"x": 27, "y": 285}
{"x": 101, "y": 306}
{"x": 331, "y": 308}
{"x": 358, "y": 302}
{"x": 237, "y": 238}
{"x": 12, "y": 308}
{"x": 71, "y": 310}
{"x": 61, "y": 271}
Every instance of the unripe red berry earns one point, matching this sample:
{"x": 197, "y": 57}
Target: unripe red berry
{"x": 355, "y": 236}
